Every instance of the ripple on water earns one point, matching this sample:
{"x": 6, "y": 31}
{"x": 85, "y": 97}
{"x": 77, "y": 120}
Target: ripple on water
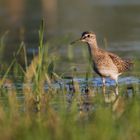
{"x": 109, "y": 82}
{"x": 67, "y": 83}
{"x": 93, "y": 81}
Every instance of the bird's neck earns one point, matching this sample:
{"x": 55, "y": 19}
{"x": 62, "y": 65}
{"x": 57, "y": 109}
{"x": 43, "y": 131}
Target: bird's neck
{"x": 93, "y": 48}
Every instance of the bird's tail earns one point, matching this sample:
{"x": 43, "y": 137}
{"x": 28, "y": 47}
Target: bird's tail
{"x": 128, "y": 64}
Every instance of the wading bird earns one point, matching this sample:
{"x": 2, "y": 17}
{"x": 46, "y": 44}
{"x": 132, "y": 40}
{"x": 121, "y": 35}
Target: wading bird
{"x": 105, "y": 64}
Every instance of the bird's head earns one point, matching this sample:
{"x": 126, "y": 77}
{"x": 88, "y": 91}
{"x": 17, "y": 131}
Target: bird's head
{"x": 87, "y": 36}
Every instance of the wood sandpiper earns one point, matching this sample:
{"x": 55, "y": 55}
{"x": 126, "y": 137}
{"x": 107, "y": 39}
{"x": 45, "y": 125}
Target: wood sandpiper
{"x": 105, "y": 64}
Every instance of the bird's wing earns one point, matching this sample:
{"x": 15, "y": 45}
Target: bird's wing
{"x": 121, "y": 64}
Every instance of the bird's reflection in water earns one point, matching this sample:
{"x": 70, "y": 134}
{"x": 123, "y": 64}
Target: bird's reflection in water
{"x": 118, "y": 106}
{"x": 85, "y": 100}
{"x": 113, "y": 94}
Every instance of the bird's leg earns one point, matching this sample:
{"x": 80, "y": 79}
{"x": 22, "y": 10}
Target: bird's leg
{"x": 103, "y": 86}
{"x": 103, "y": 81}
{"x": 116, "y": 87}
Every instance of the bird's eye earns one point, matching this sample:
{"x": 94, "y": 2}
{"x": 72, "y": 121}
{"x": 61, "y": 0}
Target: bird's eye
{"x": 88, "y": 36}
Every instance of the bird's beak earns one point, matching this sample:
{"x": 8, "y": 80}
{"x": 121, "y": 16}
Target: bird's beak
{"x": 73, "y": 42}
{"x": 80, "y": 39}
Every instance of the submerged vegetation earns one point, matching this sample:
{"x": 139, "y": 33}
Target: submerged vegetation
{"x": 40, "y": 110}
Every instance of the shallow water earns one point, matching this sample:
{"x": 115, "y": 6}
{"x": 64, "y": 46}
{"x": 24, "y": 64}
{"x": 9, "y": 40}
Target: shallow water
{"x": 82, "y": 82}
{"x": 79, "y": 91}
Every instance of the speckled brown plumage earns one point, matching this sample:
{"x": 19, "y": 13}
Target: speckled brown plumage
{"x": 122, "y": 64}
{"x": 105, "y": 63}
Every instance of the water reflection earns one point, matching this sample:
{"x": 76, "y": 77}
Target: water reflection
{"x": 87, "y": 99}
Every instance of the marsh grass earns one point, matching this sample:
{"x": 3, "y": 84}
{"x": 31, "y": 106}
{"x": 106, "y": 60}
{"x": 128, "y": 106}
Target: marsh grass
{"x": 50, "y": 114}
